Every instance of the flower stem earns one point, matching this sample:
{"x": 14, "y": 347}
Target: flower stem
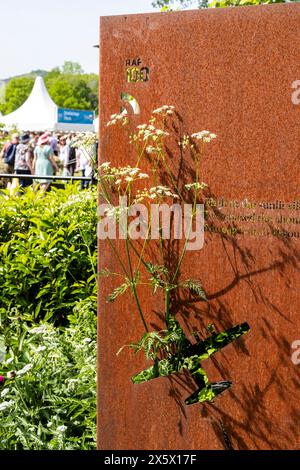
{"x": 133, "y": 286}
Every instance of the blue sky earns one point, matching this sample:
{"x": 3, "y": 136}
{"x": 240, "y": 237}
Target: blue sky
{"x": 42, "y": 34}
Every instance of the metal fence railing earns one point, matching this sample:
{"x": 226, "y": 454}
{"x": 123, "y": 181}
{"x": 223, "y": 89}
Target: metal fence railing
{"x": 50, "y": 178}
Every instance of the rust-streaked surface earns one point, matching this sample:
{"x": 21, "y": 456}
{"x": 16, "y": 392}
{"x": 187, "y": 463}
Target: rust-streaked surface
{"x": 229, "y": 71}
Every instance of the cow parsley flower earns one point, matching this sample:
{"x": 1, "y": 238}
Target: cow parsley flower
{"x": 164, "y": 110}
{"x": 4, "y": 392}
{"x": 6, "y": 404}
{"x": 120, "y": 118}
{"x": 154, "y": 193}
{"x": 204, "y": 136}
{"x": 61, "y": 429}
{"x": 24, "y": 370}
{"x": 195, "y": 186}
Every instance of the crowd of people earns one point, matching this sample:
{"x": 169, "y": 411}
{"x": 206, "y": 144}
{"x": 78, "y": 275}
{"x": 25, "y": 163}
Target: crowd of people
{"x": 43, "y": 154}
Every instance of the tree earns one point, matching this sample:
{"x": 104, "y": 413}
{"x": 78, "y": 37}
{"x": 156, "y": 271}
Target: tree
{"x": 167, "y": 4}
{"x": 72, "y": 68}
{"x": 16, "y": 92}
{"x": 69, "y": 95}
{"x": 72, "y": 90}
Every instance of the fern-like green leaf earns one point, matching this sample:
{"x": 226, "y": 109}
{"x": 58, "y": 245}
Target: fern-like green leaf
{"x": 104, "y": 272}
{"x": 194, "y": 287}
{"x": 118, "y": 291}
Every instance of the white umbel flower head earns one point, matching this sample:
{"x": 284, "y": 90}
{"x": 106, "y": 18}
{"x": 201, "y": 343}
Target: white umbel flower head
{"x": 24, "y": 370}
{"x": 204, "y": 136}
{"x": 169, "y": 110}
{"x": 4, "y": 392}
{"x": 6, "y": 404}
{"x": 61, "y": 429}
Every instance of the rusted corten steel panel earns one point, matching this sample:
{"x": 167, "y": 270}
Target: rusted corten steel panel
{"x": 230, "y": 71}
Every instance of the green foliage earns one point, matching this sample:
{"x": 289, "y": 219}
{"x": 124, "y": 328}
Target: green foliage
{"x": 195, "y": 288}
{"x": 156, "y": 344}
{"x": 73, "y": 91}
{"x": 47, "y": 252}
{"x": 181, "y": 4}
{"x": 240, "y": 3}
{"x": 47, "y": 401}
{"x": 159, "y": 274}
{"x": 16, "y": 93}
{"x": 118, "y": 291}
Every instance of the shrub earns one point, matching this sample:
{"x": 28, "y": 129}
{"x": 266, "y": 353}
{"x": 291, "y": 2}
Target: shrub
{"x": 47, "y": 252}
{"x": 47, "y": 399}
{"x": 48, "y": 319}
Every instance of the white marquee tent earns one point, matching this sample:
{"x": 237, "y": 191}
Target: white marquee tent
{"x": 40, "y": 113}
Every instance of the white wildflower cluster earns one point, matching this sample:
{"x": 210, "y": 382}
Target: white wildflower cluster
{"x": 122, "y": 175}
{"x": 156, "y": 192}
{"x": 84, "y": 139}
{"x": 121, "y": 118}
{"x": 39, "y": 330}
{"x": 6, "y": 404}
{"x": 72, "y": 384}
{"x": 9, "y": 361}
{"x": 39, "y": 349}
{"x": 148, "y": 133}
{"x": 73, "y": 381}
{"x": 105, "y": 167}
{"x": 114, "y": 212}
{"x": 204, "y": 136}
{"x": 86, "y": 340}
{"x": 164, "y": 110}
{"x": 4, "y": 392}
{"x": 84, "y": 198}
{"x": 185, "y": 141}
{"x": 25, "y": 369}
{"x": 151, "y": 150}
{"x": 81, "y": 198}
{"x": 61, "y": 429}
{"x": 195, "y": 185}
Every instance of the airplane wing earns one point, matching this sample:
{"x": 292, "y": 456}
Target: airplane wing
{"x": 190, "y": 358}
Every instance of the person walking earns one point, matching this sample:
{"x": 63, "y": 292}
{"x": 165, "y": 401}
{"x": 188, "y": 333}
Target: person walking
{"x": 84, "y": 165}
{"x": 4, "y": 135}
{"x": 64, "y": 153}
{"x": 54, "y": 144}
{"x": 23, "y": 160}
{"x": 44, "y": 163}
{"x": 9, "y": 154}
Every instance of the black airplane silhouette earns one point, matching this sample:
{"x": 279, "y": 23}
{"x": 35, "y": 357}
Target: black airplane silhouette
{"x": 189, "y": 356}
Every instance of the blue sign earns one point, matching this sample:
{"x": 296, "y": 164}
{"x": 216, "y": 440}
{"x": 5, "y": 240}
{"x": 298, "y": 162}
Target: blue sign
{"x": 74, "y": 116}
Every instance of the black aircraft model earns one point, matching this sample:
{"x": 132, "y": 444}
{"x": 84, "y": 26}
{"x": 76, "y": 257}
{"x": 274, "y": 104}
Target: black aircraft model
{"x": 189, "y": 356}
